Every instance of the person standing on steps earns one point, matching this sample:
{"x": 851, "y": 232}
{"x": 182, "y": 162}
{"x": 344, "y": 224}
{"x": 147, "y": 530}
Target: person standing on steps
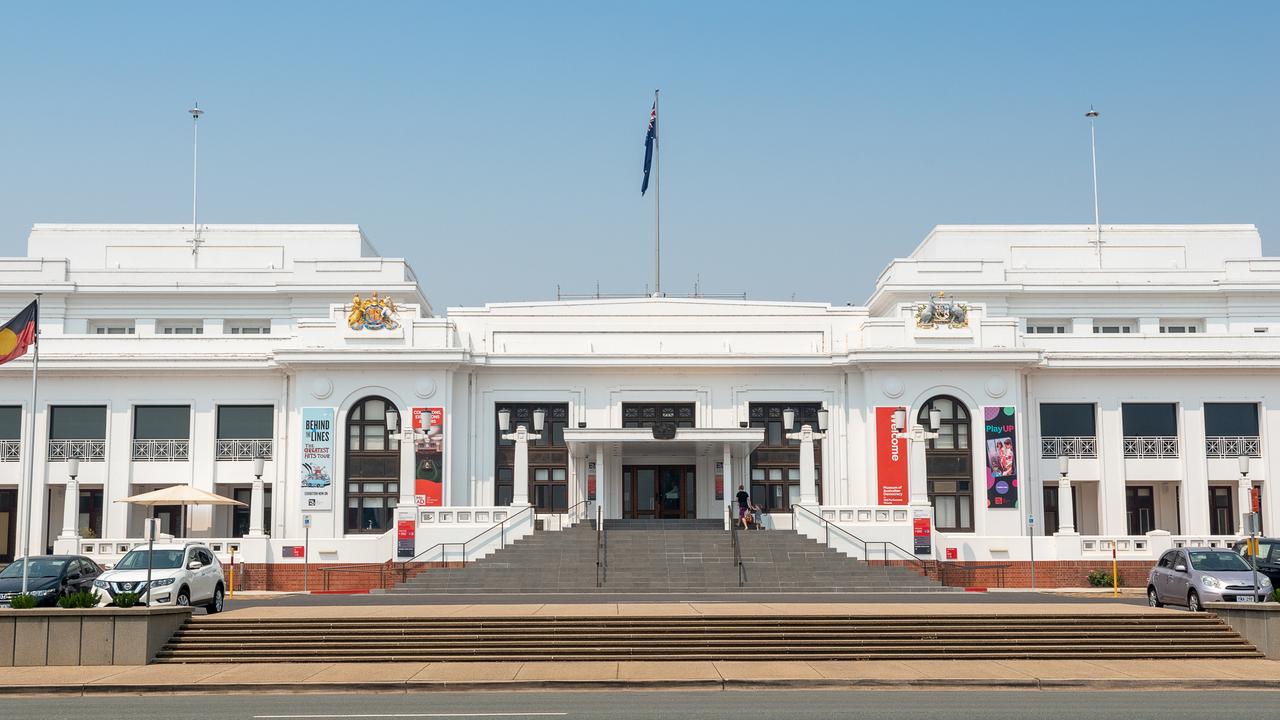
{"x": 744, "y": 506}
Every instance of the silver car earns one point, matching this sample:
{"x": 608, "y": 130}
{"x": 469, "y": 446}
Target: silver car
{"x": 1194, "y": 576}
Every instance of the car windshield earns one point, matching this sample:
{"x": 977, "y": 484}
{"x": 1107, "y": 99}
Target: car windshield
{"x": 137, "y": 560}
{"x": 39, "y": 568}
{"x": 1219, "y": 560}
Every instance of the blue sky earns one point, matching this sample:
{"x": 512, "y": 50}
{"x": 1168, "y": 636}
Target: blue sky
{"x": 498, "y": 145}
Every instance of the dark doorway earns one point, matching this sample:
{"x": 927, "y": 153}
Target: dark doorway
{"x": 1051, "y": 510}
{"x": 8, "y": 524}
{"x": 658, "y": 491}
{"x": 1222, "y": 511}
{"x": 1140, "y": 508}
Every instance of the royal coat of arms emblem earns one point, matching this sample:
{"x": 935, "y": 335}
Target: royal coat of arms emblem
{"x": 941, "y": 312}
{"x": 374, "y": 313}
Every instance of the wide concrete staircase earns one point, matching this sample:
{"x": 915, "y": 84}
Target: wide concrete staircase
{"x": 1155, "y": 635}
{"x": 665, "y": 556}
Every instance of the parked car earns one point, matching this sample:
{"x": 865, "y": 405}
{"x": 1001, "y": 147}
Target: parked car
{"x": 1194, "y": 576}
{"x": 181, "y": 574}
{"x": 1268, "y": 557}
{"x": 49, "y": 577}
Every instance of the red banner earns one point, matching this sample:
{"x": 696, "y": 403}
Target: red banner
{"x": 428, "y": 456}
{"x": 891, "y": 459}
{"x": 406, "y": 532}
{"x": 922, "y": 531}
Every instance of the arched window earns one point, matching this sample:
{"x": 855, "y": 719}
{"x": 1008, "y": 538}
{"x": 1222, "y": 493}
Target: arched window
{"x": 949, "y": 465}
{"x": 373, "y": 466}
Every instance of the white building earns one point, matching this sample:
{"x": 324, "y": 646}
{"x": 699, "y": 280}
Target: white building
{"x": 1149, "y": 360}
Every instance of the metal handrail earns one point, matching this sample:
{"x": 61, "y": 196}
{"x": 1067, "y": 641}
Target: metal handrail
{"x": 502, "y": 526}
{"x": 866, "y": 544}
{"x": 737, "y": 549}
{"x": 367, "y": 568}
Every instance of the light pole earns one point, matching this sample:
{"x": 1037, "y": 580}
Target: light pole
{"x": 71, "y": 503}
{"x": 257, "y": 500}
{"x": 406, "y": 434}
{"x": 917, "y": 436}
{"x": 806, "y": 436}
{"x": 1066, "y": 503}
{"x": 1245, "y": 492}
{"x": 522, "y": 436}
{"x": 1093, "y": 150}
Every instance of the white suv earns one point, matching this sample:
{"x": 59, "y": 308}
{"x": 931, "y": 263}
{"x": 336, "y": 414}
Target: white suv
{"x": 186, "y": 574}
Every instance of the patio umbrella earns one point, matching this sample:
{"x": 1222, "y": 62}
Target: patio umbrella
{"x": 183, "y": 495}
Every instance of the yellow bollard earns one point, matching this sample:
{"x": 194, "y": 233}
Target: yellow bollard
{"x": 1115, "y": 574}
{"x": 231, "y": 579}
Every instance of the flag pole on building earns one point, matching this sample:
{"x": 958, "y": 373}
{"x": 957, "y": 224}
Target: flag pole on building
{"x": 16, "y": 336}
{"x": 1093, "y": 150}
{"x": 651, "y": 152}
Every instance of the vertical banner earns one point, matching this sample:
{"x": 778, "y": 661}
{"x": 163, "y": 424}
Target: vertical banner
{"x": 406, "y": 534}
{"x": 317, "y": 458}
{"x": 428, "y": 456}
{"x": 1002, "y": 463}
{"x": 891, "y": 459}
{"x": 720, "y": 480}
{"x": 591, "y": 480}
{"x": 922, "y": 530}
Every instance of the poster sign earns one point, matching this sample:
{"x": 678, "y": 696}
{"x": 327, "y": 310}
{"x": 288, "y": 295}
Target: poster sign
{"x": 292, "y": 551}
{"x": 1255, "y": 499}
{"x": 591, "y": 480}
{"x": 891, "y": 459}
{"x": 406, "y": 534}
{"x": 1002, "y": 461}
{"x": 317, "y": 458}
{"x": 428, "y": 457}
{"x": 922, "y": 530}
{"x": 720, "y": 480}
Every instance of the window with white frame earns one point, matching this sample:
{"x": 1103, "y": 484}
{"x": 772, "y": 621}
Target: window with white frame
{"x": 1047, "y": 327}
{"x": 247, "y": 327}
{"x": 180, "y": 327}
{"x": 1114, "y": 327}
{"x": 111, "y": 327}
{"x": 1180, "y": 327}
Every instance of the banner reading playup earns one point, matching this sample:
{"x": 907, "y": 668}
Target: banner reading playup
{"x": 428, "y": 457}
{"x": 1002, "y": 460}
{"x": 317, "y": 458}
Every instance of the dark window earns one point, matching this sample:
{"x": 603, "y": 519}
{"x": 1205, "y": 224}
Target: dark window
{"x": 548, "y": 456}
{"x": 643, "y": 415}
{"x": 1149, "y": 419}
{"x": 162, "y": 422}
{"x": 373, "y": 467}
{"x": 1067, "y": 420}
{"x": 78, "y": 422}
{"x": 1140, "y": 509}
{"x": 1051, "y": 509}
{"x": 245, "y": 422}
{"x": 89, "y": 522}
{"x": 10, "y": 422}
{"x": 1222, "y": 515}
{"x": 949, "y": 465}
{"x": 775, "y": 465}
{"x": 240, "y": 514}
{"x": 1231, "y": 419}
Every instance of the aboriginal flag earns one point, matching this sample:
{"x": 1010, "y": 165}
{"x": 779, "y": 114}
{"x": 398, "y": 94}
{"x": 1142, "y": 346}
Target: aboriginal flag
{"x": 19, "y": 334}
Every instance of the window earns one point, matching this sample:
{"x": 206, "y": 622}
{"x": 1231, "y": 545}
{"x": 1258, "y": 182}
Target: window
{"x": 548, "y": 457}
{"x": 1140, "y": 509}
{"x": 180, "y": 327}
{"x": 1179, "y": 327}
{"x": 247, "y": 327}
{"x": 373, "y": 467}
{"x": 949, "y": 465}
{"x": 77, "y": 431}
{"x": 1149, "y": 419}
{"x": 643, "y": 415}
{"x": 1047, "y": 327}
{"x": 775, "y": 465}
{"x": 1051, "y": 510}
{"x": 111, "y": 327}
{"x": 1231, "y": 430}
{"x": 1068, "y": 429}
{"x": 244, "y": 432}
{"x": 1114, "y": 327}
{"x": 90, "y": 513}
{"x": 1222, "y": 514}
{"x": 161, "y": 432}
{"x": 240, "y": 514}
{"x": 10, "y": 433}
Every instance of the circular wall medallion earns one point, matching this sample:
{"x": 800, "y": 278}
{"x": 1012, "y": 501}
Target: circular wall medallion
{"x": 425, "y": 388}
{"x": 321, "y": 388}
{"x": 996, "y": 387}
{"x": 892, "y": 387}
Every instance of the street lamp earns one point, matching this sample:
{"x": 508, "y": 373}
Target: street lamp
{"x": 71, "y": 503}
{"x": 823, "y": 417}
{"x": 539, "y": 419}
{"x": 521, "y": 437}
{"x": 789, "y": 419}
{"x": 504, "y": 420}
{"x": 257, "y": 499}
{"x": 806, "y": 436}
{"x": 917, "y": 435}
{"x": 1066, "y": 504}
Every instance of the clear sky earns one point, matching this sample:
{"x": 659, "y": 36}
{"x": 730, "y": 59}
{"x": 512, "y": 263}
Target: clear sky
{"x": 498, "y": 145}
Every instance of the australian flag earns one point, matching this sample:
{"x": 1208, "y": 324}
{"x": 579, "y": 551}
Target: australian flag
{"x": 649, "y": 139}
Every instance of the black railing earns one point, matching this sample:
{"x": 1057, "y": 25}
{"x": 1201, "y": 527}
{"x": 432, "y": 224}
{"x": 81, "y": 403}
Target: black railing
{"x": 501, "y": 527}
{"x": 884, "y": 545}
{"x": 737, "y": 549}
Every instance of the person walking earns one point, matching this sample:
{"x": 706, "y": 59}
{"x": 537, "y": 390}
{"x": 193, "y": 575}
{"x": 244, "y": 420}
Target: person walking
{"x": 744, "y": 506}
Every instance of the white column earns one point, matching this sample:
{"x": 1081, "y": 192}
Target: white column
{"x": 808, "y": 486}
{"x": 917, "y": 473}
{"x": 520, "y": 475}
{"x": 257, "y": 504}
{"x": 1066, "y": 508}
{"x": 71, "y": 511}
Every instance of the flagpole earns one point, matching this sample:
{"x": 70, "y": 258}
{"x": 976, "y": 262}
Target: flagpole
{"x": 657, "y": 200}
{"x": 31, "y": 452}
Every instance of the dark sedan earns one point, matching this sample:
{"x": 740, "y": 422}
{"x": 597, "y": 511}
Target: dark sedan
{"x": 49, "y": 577}
{"x": 1268, "y": 557}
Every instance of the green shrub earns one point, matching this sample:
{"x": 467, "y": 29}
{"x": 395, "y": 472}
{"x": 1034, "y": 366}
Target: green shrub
{"x": 1100, "y": 578}
{"x": 1275, "y": 596}
{"x": 79, "y": 599}
{"x": 126, "y": 599}
{"x": 22, "y": 602}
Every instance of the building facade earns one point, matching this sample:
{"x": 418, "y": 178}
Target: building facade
{"x": 938, "y": 413}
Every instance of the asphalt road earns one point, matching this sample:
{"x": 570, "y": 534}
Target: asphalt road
{"x": 736, "y": 704}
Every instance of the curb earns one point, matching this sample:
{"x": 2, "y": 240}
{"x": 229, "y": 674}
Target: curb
{"x": 728, "y": 684}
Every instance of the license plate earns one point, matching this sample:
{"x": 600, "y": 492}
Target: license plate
{"x": 1246, "y": 598}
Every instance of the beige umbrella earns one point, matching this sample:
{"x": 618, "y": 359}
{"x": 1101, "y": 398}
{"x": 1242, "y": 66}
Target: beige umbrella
{"x": 183, "y": 495}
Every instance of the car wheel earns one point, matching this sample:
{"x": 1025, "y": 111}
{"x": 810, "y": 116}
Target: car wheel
{"x": 1153, "y": 599}
{"x": 184, "y": 597}
{"x": 1193, "y": 602}
{"x": 215, "y": 605}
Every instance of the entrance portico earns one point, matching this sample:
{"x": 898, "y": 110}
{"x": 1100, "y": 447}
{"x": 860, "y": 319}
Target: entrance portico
{"x": 639, "y": 474}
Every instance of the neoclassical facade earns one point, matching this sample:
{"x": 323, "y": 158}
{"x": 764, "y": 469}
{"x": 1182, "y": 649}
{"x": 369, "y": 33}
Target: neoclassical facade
{"x": 939, "y": 416}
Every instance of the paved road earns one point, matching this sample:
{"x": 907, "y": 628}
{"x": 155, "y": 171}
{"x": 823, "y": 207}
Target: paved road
{"x": 508, "y": 599}
{"x": 737, "y": 705}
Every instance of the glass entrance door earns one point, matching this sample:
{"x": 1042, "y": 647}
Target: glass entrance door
{"x": 658, "y": 491}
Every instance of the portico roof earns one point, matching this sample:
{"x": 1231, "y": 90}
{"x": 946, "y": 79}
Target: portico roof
{"x": 688, "y": 441}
